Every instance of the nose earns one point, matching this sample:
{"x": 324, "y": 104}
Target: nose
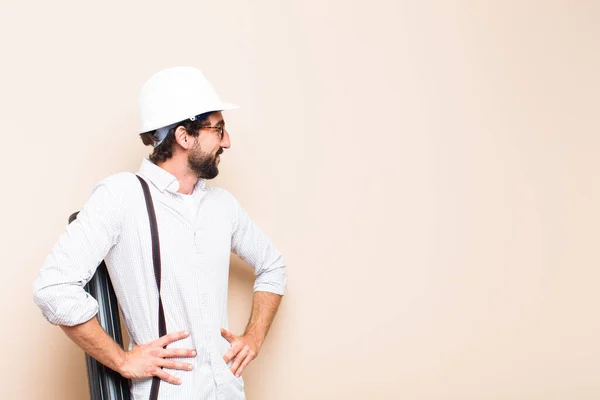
{"x": 225, "y": 142}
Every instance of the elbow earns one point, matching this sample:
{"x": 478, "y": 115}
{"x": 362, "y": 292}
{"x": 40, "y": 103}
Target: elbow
{"x": 64, "y": 308}
{"x": 44, "y": 301}
{"x": 273, "y": 280}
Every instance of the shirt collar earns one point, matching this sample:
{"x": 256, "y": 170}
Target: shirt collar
{"x": 163, "y": 180}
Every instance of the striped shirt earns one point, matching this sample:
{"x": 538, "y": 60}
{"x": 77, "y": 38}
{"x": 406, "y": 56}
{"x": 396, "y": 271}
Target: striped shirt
{"x": 195, "y": 242}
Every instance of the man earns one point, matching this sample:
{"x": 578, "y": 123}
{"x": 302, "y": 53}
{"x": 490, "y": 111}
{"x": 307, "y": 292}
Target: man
{"x": 198, "y": 227}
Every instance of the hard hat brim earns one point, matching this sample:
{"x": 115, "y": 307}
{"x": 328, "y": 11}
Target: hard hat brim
{"x": 221, "y": 107}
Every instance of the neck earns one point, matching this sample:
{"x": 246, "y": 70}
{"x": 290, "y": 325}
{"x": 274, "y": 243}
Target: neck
{"x": 178, "y": 167}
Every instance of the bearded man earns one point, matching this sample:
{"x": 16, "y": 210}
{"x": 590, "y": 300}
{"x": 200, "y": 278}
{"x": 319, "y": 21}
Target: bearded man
{"x": 166, "y": 238}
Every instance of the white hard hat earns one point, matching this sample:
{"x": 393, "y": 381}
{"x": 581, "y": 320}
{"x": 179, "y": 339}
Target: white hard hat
{"x": 175, "y": 94}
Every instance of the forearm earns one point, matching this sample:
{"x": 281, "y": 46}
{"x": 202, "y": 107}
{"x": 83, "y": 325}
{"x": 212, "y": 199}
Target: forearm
{"x": 264, "y": 308}
{"x": 95, "y": 341}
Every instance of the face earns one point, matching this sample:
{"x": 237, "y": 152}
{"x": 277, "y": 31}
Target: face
{"x": 204, "y": 155}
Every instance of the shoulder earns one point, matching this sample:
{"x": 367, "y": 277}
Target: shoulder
{"x": 119, "y": 186}
{"x": 220, "y": 194}
{"x": 119, "y": 179}
{"x": 224, "y": 200}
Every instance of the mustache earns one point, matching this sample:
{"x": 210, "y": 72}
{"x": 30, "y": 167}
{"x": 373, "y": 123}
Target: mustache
{"x": 219, "y": 152}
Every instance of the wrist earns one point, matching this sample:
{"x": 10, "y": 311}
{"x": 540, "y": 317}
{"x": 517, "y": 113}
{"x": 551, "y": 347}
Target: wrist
{"x": 121, "y": 362}
{"x": 256, "y": 337}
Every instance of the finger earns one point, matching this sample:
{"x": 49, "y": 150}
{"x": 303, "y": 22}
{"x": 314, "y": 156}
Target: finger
{"x": 239, "y": 358}
{"x": 167, "y": 353}
{"x": 166, "y": 377}
{"x": 174, "y": 365}
{"x": 227, "y": 335}
{"x": 232, "y": 353}
{"x": 245, "y": 363}
{"x": 170, "y": 338}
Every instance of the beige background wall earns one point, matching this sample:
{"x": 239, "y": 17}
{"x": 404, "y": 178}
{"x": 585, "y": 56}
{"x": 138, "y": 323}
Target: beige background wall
{"x": 428, "y": 168}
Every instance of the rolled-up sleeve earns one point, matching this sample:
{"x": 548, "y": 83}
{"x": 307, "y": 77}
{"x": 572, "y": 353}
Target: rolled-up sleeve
{"x": 58, "y": 289}
{"x": 256, "y": 249}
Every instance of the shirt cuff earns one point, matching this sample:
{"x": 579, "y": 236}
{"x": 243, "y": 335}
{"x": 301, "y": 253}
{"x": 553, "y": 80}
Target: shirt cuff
{"x": 273, "y": 281}
{"x": 69, "y": 313}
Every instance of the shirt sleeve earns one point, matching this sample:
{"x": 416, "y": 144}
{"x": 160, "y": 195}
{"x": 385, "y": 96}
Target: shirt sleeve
{"x": 256, "y": 249}
{"x": 59, "y": 287}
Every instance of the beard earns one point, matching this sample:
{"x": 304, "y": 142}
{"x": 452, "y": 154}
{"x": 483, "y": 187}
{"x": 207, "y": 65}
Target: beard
{"x": 204, "y": 165}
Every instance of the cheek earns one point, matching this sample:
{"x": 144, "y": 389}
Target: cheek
{"x": 209, "y": 145}
{"x": 212, "y": 147}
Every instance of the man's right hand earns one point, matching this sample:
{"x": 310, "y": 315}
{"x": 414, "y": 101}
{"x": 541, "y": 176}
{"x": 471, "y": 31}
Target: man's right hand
{"x": 146, "y": 360}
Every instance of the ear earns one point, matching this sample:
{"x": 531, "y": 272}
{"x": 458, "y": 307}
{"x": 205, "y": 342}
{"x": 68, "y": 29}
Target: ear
{"x": 182, "y": 138}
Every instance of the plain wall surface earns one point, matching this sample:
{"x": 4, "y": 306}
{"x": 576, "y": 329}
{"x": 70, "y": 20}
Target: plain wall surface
{"x": 429, "y": 170}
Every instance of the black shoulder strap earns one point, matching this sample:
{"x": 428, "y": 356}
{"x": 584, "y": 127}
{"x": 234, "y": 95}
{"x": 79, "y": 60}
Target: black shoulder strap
{"x": 162, "y": 326}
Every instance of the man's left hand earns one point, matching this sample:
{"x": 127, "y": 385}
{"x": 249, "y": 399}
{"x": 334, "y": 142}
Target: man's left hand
{"x": 243, "y": 350}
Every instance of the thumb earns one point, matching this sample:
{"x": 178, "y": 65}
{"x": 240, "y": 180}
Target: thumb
{"x": 227, "y": 335}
